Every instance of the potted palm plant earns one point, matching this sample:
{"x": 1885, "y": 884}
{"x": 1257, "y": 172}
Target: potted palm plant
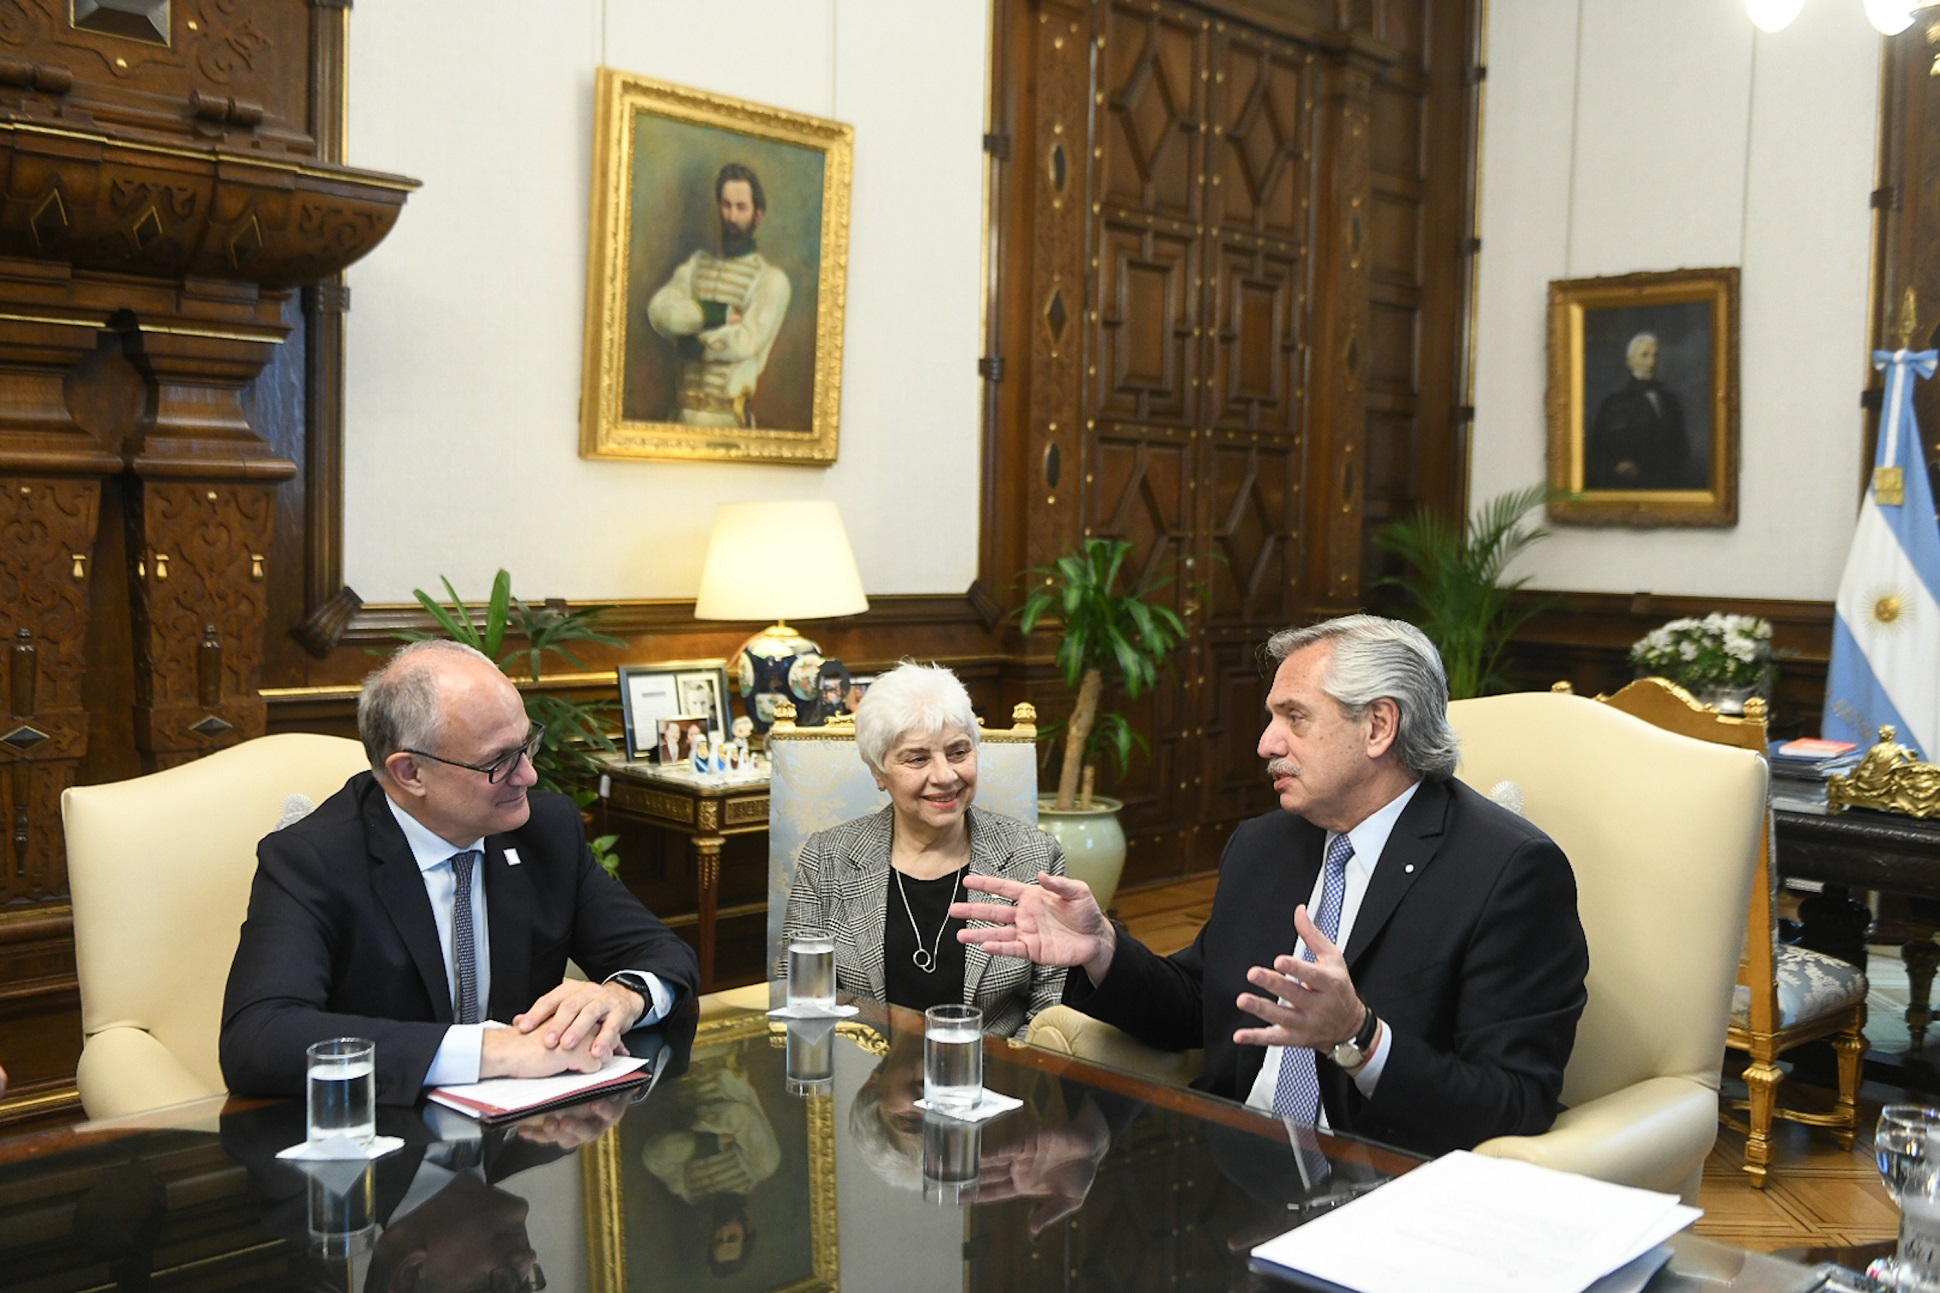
{"x": 1455, "y": 581}
{"x": 519, "y": 637}
{"x": 1112, "y": 639}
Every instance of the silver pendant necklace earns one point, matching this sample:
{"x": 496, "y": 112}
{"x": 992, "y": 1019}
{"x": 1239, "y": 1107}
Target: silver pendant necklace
{"x": 926, "y": 960}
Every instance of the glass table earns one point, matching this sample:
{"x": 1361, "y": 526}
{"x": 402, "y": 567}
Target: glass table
{"x": 760, "y": 1160}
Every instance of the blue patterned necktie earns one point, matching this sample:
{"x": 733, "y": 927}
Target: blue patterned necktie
{"x": 464, "y": 949}
{"x": 1297, "y": 1094}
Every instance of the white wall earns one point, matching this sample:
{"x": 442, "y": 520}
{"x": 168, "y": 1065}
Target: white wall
{"x": 465, "y": 332}
{"x": 1626, "y": 135}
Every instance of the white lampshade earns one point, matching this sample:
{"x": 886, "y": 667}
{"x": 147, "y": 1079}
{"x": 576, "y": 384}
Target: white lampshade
{"x": 779, "y": 561}
{"x": 1773, "y": 15}
{"x": 1889, "y": 17}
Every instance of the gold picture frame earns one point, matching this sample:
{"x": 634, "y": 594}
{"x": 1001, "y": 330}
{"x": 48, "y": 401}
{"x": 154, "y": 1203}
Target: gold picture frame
{"x": 1643, "y": 399}
{"x": 698, "y": 347}
{"x": 609, "y": 1172}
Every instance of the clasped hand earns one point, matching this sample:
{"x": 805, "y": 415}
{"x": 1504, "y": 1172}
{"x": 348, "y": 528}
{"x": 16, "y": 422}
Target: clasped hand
{"x": 1310, "y": 1003}
{"x": 575, "y": 1028}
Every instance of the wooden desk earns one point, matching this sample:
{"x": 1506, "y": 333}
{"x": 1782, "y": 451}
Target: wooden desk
{"x": 1859, "y": 850}
{"x": 706, "y": 809}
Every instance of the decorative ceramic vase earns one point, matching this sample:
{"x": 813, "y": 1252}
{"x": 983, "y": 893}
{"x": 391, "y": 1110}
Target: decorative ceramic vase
{"x": 1093, "y": 842}
{"x": 1725, "y": 698}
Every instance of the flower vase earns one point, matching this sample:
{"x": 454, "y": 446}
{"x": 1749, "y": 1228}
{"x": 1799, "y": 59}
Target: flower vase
{"x": 1724, "y": 697}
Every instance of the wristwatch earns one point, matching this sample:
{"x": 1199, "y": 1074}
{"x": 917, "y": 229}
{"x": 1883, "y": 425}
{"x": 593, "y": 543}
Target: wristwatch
{"x": 636, "y": 982}
{"x": 1352, "y": 1053}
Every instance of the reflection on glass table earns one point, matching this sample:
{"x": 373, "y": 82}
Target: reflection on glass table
{"x": 759, "y": 1161}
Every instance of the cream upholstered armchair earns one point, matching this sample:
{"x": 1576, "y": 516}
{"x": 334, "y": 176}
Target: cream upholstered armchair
{"x": 818, "y": 781}
{"x": 1663, "y": 833}
{"x": 160, "y": 868}
{"x": 1631, "y": 805}
{"x": 1786, "y": 996}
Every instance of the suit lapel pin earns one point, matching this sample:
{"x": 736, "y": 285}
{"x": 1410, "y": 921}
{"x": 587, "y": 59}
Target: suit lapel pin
{"x": 1410, "y": 868}
{"x": 512, "y": 858}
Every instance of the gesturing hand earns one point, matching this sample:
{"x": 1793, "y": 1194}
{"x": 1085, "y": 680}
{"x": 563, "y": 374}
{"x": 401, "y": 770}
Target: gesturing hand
{"x": 1308, "y": 1003}
{"x": 1053, "y": 922}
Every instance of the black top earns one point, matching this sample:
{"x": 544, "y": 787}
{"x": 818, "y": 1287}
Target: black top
{"x": 929, "y": 902}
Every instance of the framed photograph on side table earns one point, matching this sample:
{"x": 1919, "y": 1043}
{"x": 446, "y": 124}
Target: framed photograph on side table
{"x": 1643, "y": 398}
{"x": 650, "y": 693}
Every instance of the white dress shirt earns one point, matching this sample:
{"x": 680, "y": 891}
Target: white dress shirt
{"x": 459, "y": 1054}
{"x": 1369, "y": 839}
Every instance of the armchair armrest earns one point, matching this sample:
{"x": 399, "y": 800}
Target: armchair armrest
{"x": 125, "y": 1070}
{"x": 1072, "y": 1032}
{"x": 1653, "y": 1135}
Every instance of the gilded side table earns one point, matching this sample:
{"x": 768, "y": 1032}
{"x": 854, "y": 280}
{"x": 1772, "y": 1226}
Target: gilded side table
{"x": 707, "y": 808}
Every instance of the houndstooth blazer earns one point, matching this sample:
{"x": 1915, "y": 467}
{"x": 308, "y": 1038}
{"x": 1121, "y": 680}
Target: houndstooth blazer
{"x": 842, "y": 886}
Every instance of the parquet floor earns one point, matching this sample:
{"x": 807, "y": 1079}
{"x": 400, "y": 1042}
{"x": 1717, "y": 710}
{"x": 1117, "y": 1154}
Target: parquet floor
{"x": 1819, "y": 1196}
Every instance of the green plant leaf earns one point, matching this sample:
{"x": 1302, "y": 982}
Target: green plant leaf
{"x": 495, "y": 613}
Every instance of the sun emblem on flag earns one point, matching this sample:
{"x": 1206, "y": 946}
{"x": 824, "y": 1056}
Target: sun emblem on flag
{"x": 1891, "y": 608}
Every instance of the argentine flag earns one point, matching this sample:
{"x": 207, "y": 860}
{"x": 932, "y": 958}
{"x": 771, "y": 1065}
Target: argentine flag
{"x": 1886, "y": 634}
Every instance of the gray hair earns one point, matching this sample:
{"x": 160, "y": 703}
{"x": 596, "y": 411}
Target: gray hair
{"x": 877, "y": 1143}
{"x": 400, "y": 707}
{"x": 1636, "y": 342}
{"x": 911, "y": 699}
{"x": 1375, "y": 657}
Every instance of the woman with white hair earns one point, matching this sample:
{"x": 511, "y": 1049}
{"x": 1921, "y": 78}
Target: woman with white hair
{"x": 882, "y": 885}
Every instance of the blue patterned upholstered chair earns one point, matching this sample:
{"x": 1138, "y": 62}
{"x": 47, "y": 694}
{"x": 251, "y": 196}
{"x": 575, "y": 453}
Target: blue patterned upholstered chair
{"x": 817, "y": 780}
{"x": 1786, "y": 996}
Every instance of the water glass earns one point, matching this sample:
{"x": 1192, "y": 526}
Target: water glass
{"x": 811, "y": 972}
{"x": 811, "y": 1056}
{"x": 952, "y": 1160}
{"x": 953, "y": 1058}
{"x": 343, "y": 1219}
{"x": 1915, "y": 1266}
{"x": 1900, "y": 1141}
{"x": 340, "y": 1093}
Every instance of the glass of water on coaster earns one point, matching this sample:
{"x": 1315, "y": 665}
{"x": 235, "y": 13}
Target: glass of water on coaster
{"x": 953, "y": 1058}
{"x": 340, "y": 1090}
{"x": 811, "y": 972}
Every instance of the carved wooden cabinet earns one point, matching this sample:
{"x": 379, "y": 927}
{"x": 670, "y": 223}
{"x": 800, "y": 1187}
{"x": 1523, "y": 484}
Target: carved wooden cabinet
{"x": 169, "y": 178}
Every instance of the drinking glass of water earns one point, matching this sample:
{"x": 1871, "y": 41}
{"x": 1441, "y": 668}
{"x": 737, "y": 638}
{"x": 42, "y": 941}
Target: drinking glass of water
{"x": 953, "y": 1058}
{"x": 341, "y": 1091}
{"x": 952, "y": 1160}
{"x": 1900, "y": 1142}
{"x": 811, "y": 972}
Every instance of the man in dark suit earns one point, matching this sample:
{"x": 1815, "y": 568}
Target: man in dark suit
{"x": 1441, "y": 1008}
{"x": 435, "y": 894}
{"x": 1638, "y": 440}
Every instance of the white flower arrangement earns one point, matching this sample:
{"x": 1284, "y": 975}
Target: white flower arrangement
{"x": 1718, "y": 650}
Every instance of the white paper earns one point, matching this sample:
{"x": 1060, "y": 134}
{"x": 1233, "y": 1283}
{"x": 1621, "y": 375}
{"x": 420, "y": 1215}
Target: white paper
{"x": 1469, "y": 1224}
{"x": 513, "y": 1094}
{"x": 989, "y": 1106}
{"x": 341, "y": 1149}
{"x": 811, "y": 1012}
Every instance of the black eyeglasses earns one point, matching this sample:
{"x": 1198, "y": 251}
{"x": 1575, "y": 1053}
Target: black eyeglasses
{"x": 500, "y": 768}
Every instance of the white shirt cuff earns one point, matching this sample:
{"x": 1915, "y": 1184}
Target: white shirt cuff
{"x": 459, "y": 1055}
{"x": 663, "y": 997}
{"x": 1370, "y": 1072}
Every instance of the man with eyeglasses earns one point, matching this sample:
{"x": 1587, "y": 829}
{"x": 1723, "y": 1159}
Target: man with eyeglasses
{"x": 436, "y": 894}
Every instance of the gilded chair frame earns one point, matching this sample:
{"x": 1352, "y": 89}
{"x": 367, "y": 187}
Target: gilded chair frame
{"x": 1663, "y": 703}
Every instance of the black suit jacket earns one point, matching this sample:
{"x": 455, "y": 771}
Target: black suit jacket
{"x": 340, "y": 940}
{"x": 1636, "y": 443}
{"x": 1467, "y": 944}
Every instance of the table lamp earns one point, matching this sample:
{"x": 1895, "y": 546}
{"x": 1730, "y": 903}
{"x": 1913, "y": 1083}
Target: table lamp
{"x": 782, "y": 561}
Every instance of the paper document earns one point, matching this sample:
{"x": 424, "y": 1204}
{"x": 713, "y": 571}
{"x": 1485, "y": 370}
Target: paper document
{"x": 497, "y": 1098}
{"x": 1469, "y": 1224}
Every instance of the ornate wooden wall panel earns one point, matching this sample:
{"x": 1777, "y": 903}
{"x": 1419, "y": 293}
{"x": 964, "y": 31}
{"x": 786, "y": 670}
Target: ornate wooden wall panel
{"x": 163, "y": 190}
{"x": 1269, "y": 189}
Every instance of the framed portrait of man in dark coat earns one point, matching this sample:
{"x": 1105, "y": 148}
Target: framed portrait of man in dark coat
{"x": 1643, "y": 398}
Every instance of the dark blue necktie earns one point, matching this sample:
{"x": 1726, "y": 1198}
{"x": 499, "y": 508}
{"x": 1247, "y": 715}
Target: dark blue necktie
{"x": 1297, "y": 1094}
{"x": 463, "y": 944}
